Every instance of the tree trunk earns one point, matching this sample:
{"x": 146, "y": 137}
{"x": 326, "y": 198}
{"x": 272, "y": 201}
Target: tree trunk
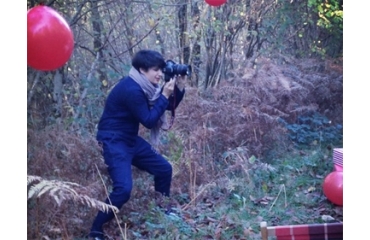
{"x": 98, "y": 27}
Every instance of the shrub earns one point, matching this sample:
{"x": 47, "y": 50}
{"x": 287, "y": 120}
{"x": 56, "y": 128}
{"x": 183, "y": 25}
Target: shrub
{"x": 314, "y": 128}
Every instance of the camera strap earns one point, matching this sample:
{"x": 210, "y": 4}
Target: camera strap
{"x": 173, "y": 105}
{"x": 172, "y": 120}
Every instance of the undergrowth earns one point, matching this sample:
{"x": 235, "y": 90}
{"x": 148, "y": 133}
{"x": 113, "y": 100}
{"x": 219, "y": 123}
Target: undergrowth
{"x": 257, "y": 148}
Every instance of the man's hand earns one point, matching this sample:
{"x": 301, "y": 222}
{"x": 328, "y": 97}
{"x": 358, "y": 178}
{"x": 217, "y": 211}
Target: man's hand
{"x": 169, "y": 87}
{"x": 181, "y": 81}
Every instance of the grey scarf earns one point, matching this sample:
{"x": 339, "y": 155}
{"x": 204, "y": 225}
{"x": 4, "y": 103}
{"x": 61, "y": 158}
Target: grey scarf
{"x": 152, "y": 92}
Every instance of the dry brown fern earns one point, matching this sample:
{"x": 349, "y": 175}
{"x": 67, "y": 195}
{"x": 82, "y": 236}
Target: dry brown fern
{"x": 61, "y": 191}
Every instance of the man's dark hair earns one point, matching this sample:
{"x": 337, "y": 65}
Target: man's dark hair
{"x": 147, "y": 59}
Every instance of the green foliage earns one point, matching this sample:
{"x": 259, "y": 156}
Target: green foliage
{"x": 309, "y": 28}
{"x": 330, "y": 13}
{"x": 282, "y": 194}
{"x": 172, "y": 144}
{"x": 314, "y": 129}
{"x": 330, "y": 21}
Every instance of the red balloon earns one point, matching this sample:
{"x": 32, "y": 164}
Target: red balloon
{"x": 338, "y": 167}
{"x": 49, "y": 39}
{"x": 215, "y": 3}
{"x": 333, "y": 187}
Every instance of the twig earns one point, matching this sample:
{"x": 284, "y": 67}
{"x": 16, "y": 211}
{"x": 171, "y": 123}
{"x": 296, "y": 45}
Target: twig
{"x": 31, "y": 92}
{"x": 199, "y": 193}
{"x": 84, "y": 93}
{"x": 281, "y": 187}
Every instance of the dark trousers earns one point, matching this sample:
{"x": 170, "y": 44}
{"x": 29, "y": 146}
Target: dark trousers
{"x": 119, "y": 157}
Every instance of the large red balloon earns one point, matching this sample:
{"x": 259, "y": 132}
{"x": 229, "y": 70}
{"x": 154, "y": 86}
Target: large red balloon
{"x": 333, "y": 187}
{"x": 215, "y": 3}
{"x": 49, "y": 39}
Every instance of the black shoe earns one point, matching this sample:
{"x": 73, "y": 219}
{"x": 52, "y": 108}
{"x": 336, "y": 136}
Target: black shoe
{"x": 95, "y": 235}
{"x": 173, "y": 214}
{"x": 96, "y": 238}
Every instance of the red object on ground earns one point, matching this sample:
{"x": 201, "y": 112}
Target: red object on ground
{"x": 313, "y": 231}
{"x": 49, "y": 39}
{"x": 215, "y": 3}
{"x": 333, "y": 187}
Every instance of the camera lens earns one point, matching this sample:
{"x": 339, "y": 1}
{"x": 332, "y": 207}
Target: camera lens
{"x": 171, "y": 69}
{"x": 183, "y": 70}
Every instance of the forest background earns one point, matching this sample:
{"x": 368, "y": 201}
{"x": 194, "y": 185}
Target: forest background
{"x": 275, "y": 68}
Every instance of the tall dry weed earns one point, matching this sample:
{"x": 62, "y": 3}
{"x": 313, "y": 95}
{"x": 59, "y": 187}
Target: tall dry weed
{"x": 69, "y": 188}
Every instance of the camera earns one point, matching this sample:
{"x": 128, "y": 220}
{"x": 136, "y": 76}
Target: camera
{"x": 171, "y": 69}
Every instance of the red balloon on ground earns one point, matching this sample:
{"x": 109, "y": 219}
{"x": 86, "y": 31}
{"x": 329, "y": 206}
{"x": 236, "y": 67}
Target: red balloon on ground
{"x": 49, "y": 39}
{"x": 215, "y": 3}
{"x": 333, "y": 187}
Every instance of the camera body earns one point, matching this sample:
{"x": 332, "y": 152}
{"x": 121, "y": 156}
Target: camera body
{"x": 171, "y": 69}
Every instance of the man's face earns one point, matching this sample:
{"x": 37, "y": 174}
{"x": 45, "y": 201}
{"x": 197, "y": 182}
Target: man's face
{"x": 153, "y": 74}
